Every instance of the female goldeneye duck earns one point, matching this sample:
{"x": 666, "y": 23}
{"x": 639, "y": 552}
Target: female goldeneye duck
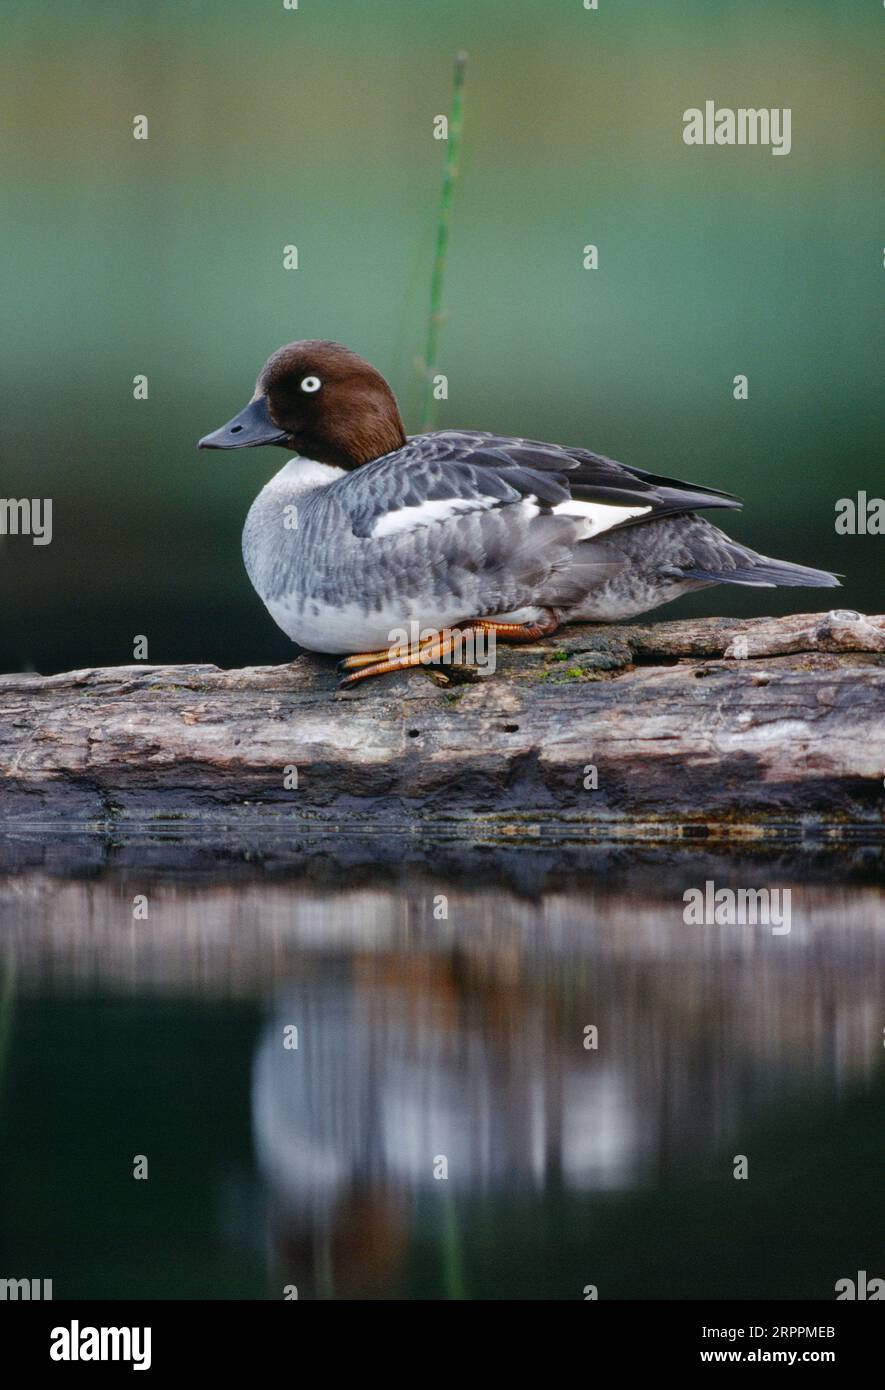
{"x": 366, "y": 532}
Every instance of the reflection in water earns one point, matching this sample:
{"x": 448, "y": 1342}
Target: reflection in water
{"x": 394, "y": 1071}
{"x": 459, "y": 1042}
{"x": 400, "y": 1070}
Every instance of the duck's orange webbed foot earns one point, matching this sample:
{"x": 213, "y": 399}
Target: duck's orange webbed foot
{"x": 441, "y": 645}
{"x": 364, "y": 664}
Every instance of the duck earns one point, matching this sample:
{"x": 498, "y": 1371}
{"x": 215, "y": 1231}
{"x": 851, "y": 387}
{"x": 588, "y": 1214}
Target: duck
{"x": 367, "y": 534}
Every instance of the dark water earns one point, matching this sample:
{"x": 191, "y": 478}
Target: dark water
{"x": 425, "y": 1037}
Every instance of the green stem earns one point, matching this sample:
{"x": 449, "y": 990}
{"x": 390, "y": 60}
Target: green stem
{"x": 442, "y": 241}
{"x": 453, "y": 1269}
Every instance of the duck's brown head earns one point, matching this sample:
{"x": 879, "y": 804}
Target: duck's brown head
{"x": 320, "y": 400}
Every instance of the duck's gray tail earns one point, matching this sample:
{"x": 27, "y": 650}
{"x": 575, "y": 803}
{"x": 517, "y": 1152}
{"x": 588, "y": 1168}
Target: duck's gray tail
{"x": 710, "y": 557}
{"x": 761, "y": 572}
{"x": 700, "y": 553}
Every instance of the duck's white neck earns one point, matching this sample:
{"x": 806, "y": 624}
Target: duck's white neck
{"x": 304, "y": 475}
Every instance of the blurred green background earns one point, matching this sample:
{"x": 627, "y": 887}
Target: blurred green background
{"x": 314, "y": 127}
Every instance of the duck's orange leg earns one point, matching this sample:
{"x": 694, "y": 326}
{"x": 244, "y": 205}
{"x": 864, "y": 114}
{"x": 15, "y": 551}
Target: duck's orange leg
{"x": 358, "y": 659}
{"x": 518, "y": 632}
{"x": 364, "y": 664}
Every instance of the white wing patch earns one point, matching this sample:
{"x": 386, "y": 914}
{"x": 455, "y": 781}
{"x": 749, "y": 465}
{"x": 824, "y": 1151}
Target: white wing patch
{"x": 599, "y": 516}
{"x": 436, "y": 509}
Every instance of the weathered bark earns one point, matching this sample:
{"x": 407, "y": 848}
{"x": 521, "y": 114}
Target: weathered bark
{"x": 718, "y": 727}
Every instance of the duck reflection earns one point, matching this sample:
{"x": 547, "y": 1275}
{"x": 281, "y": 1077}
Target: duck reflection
{"x": 427, "y": 1077}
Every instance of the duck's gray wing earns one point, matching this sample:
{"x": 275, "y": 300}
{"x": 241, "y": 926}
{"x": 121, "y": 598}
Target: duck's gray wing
{"x": 600, "y": 478}
{"x": 436, "y": 476}
{"x": 452, "y": 472}
{"x": 456, "y": 528}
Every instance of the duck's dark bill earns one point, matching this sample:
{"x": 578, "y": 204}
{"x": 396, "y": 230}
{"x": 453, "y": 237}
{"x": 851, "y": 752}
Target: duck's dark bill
{"x": 251, "y": 427}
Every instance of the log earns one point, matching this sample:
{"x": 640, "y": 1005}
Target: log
{"x": 719, "y": 727}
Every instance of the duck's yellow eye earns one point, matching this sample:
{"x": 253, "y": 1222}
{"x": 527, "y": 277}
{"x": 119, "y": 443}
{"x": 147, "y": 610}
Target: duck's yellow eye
{"x": 311, "y": 384}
